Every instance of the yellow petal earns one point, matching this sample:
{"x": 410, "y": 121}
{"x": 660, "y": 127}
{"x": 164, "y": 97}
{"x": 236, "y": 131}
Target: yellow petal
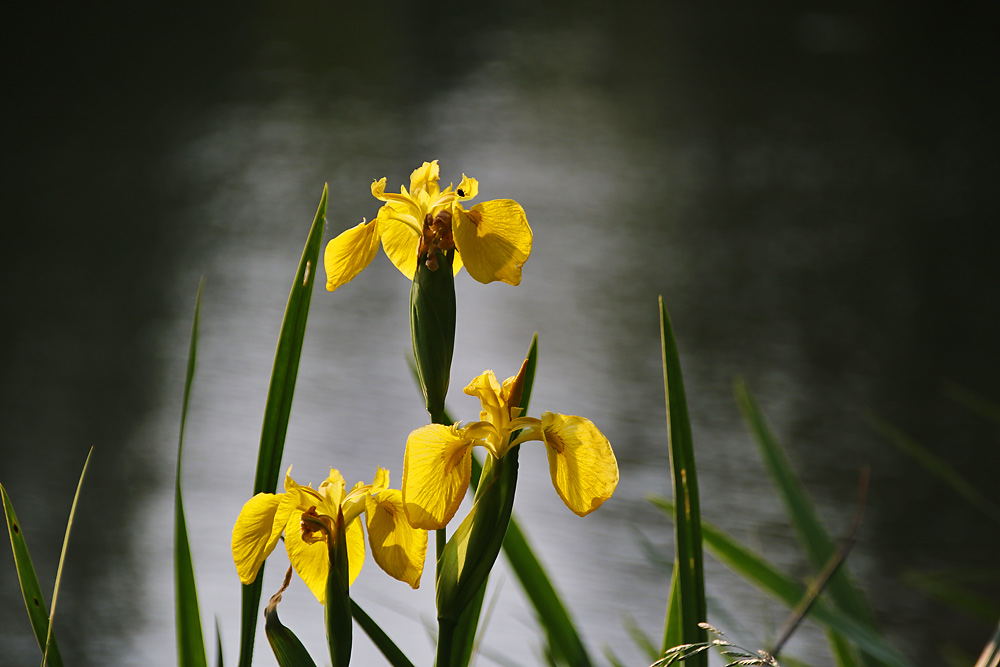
{"x": 354, "y": 504}
{"x": 312, "y": 561}
{"x": 397, "y": 547}
{"x": 425, "y": 177}
{"x": 399, "y": 240}
{"x": 381, "y": 482}
{"x": 494, "y": 240}
{"x": 349, "y": 253}
{"x": 468, "y": 188}
{"x": 583, "y": 467}
{"x": 355, "y": 550}
{"x": 257, "y": 530}
{"x": 491, "y": 398}
{"x": 436, "y": 469}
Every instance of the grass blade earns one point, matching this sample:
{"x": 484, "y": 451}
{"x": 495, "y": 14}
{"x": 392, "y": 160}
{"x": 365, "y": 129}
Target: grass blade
{"x": 218, "y": 644}
{"x": 190, "y": 640}
{"x": 279, "y": 404}
{"x": 938, "y": 467}
{"x": 672, "y": 633}
{"x": 974, "y": 604}
{"x": 813, "y": 537}
{"x": 62, "y": 559}
{"x": 768, "y": 579}
{"x": 392, "y": 653}
{"x": 690, "y": 576}
{"x": 34, "y": 601}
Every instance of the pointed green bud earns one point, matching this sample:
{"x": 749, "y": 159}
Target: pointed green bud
{"x": 432, "y": 328}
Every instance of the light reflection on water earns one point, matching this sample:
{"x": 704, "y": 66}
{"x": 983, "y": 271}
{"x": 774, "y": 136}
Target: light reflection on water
{"x": 787, "y": 234}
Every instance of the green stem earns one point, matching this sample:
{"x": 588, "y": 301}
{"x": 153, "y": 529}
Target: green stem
{"x": 446, "y": 637}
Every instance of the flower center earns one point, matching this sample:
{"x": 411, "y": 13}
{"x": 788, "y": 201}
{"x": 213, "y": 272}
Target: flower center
{"x": 436, "y": 236}
{"x": 311, "y": 523}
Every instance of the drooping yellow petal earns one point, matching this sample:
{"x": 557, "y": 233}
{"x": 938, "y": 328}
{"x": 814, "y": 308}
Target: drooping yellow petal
{"x": 436, "y": 469}
{"x": 397, "y": 547}
{"x": 399, "y": 240}
{"x": 494, "y": 239}
{"x": 257, "y": 530}
{"x": 583, "y": 467}
{"x": 312, "y": 560}
{"x": 348, "y": 254}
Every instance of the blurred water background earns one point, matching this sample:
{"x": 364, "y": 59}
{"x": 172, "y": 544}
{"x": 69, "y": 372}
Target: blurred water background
{"x": 810, "y": 187}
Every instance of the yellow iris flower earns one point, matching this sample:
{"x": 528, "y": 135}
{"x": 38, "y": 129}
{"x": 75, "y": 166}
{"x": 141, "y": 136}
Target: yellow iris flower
{"x": 438, "y": 460}
{"x": 492, "y": 239}
{"x": 307, "y": 516}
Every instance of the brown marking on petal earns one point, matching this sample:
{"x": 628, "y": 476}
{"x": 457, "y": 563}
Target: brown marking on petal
{"x": 553, "y": 440}
{"x": 477, "y": 219}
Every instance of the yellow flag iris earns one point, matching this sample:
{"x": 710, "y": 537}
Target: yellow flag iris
{"x": 438, "y": 460}
{"x": 492, "y": 239}
{"x": 307, "y": 517}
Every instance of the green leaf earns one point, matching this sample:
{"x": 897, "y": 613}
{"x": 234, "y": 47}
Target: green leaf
{"x": 938, "y": 467}
{"x": 641, "y": 639}
{"x": 190, "y": 641}
{"x": 471, "y": 552}
{"x": 940, "y": 586}
{"x": 34, "y": 601}
{"x": 337, "y": 607}
{"x": 279, "y": 405}
{"x": 287, "y": 649}
{"x": 673, "y": 635}
{"x": 392, "y": 654}
{"x": 465, "y": 629}
{"x": 768, "y": 579}
{"x": 815, "y": 541}
{"x": 690, "y": 577}
{"x": 218, "y": 644}
{"x": 62, "y": 559}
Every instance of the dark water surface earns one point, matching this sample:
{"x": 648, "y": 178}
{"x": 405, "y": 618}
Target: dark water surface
{"x": 812, "y": 192}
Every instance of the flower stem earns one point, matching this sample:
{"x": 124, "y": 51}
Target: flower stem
{"x": 446, "y": 637}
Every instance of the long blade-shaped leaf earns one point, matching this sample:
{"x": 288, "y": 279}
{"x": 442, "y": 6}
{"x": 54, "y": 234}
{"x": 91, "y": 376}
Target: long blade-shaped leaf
{"x": 767, "y": 578}
{"x": 279, "y": 404}
{"x": 62, "y": 559}
{"x": 938, "y": 467}
{"x": 381, "y": 640}
{"x": 814, "y": 539}
{"x": 672, "y": 633}
{"x": 190, "y": 640}
{"x": 690, "y": 575}
{"x": 218, "y": 644}
{"x": 34, "y": 601}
